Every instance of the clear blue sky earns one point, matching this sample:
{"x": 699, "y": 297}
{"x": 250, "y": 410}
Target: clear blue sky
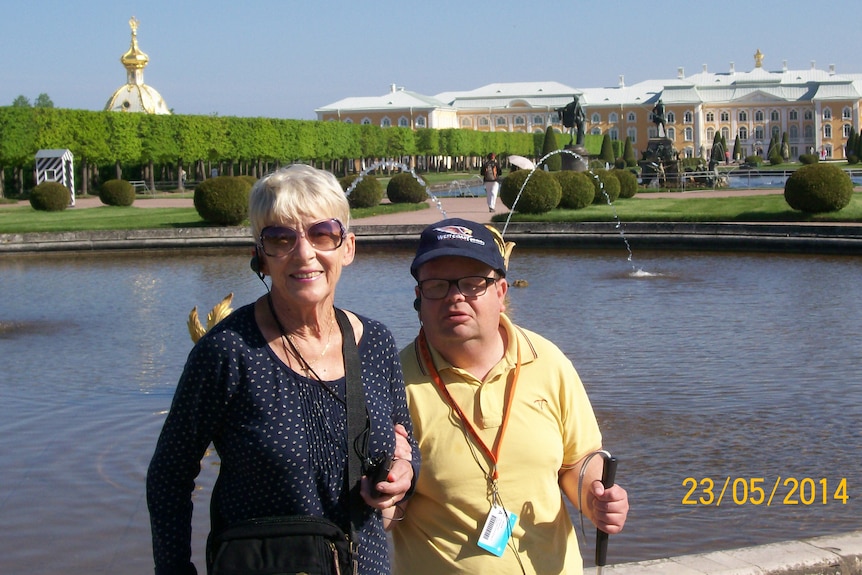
{"x": 285, "y": 58}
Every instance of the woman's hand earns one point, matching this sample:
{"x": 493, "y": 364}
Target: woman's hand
{"x": 399, "y": 479}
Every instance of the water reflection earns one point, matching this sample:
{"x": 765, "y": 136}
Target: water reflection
{"x": 714, "y": 366}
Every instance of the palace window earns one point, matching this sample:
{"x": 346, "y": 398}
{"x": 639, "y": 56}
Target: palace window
{"x": 847, "y": 130}
{"x": 632, "y": 134}
{"x": 846, "y": 113}
{"x": 794, "y": 132}
{"x": 632, "y": 117}
{"x": 386, "y": 123}
{"x": 483, "y": 121}
{"x": 671, "y": 118}
{"x": 688, "y": 134}
{"x": 725, "y": 116}
{"x": 420, "y": 122}
{"x": 758, "y": 116}
{"x": 758, "y": 132}
{"x": 538, "y": 120}
{"x": 501, "y": 120}
{"x": 520, "y": 121}
{"x": 794, "y": 115}
{"x": 466, "y": 123}
{"x": 403, "y": 122}
{"x": 774, "y": 116}
{"x": 687, "y": 117}
{"x": 613, "y": 118}
{"x": 366, "y": 121}
{"x": 671, "y": 133}
{"x": 743, "y": 116}
{"x": 743, "y": 133}
{"x": 595, "y": 118}
{"x": 710, "y": 116}
{"x": 827, "y": 114}
{"x": 614, "y": 134}
{"x": 710, "y": 134}
{"x": 809, "y": 115}
{"x": 827, "y": 131}
{"x": 725, "y": 132}
{"x": 808, "y": 132}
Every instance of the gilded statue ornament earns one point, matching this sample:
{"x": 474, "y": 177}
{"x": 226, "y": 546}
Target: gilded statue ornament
{"x": 218, "y": 313}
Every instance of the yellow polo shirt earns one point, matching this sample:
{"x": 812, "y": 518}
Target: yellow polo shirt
{"x": 551, "y": 425}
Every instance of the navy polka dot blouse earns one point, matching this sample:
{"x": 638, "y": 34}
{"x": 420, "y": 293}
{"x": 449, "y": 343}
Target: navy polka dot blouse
{"x": 281, "y": 439}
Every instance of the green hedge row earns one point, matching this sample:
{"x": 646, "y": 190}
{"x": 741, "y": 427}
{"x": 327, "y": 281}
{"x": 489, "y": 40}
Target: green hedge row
{"x": 106, "y": 138}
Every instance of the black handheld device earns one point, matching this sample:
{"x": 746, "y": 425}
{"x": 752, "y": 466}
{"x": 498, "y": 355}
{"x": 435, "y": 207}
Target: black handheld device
{"x": 377, "y": 471}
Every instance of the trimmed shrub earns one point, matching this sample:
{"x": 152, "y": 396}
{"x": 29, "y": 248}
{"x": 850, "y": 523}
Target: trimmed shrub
{"x": 50, "y": 197}
{"x": 117, "y": 193}
{"x": 367, "y": 193}
{"x": 223, "y": 200}
{"x": 577, "y": 191}
{"x": 541, "y": 194}
{"x": 250, "y": 179}
{"x": 775, "y": 158}
{"x": 808, "y": 159}
{"x": 628, "y": 183}
{"x": 607, "y": 187}
{"x": 818, "y": 188}
{"x": 403, "y": 188}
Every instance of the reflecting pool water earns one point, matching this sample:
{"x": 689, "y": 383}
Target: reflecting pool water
{"x": 723, "y": 368}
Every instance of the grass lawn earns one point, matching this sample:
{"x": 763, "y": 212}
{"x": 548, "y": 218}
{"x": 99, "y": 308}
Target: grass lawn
{"x": 767, "y": 208}
{"x": 24, "y": 219}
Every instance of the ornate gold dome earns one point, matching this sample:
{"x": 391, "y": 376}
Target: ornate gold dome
{"x": 135, "y": 96}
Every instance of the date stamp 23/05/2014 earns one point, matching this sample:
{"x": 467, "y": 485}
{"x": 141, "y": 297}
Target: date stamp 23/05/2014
{"x": 758, "y": 491}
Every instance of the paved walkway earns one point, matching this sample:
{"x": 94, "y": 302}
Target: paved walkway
{"x": 475, "y": 209}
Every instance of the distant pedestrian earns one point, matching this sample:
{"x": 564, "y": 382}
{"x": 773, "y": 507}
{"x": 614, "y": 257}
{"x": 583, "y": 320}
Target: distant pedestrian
{"x": 490, "y": 175}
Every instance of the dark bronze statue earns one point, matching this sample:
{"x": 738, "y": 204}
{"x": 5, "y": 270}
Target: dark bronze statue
{"x": 573, "y": 117}
{"x": 658, "y": 119}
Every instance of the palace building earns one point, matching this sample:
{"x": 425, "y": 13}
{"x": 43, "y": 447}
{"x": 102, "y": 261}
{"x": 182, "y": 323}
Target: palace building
{"x": 817, "y": 109}
{"x": 135, "y": 96}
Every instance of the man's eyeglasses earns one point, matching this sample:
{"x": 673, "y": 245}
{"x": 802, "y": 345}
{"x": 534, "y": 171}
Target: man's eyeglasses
{"x": 324, "y": 236}
{"x": 470, "y": 286}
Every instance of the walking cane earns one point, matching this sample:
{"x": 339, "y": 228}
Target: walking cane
{"x": 609, "y": 470}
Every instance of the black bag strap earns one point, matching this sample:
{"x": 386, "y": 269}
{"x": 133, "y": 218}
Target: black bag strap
{"x": 357, "y": 417}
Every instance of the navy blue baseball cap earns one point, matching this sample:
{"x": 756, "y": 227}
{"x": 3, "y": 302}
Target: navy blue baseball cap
{"x": 458, "y": 237}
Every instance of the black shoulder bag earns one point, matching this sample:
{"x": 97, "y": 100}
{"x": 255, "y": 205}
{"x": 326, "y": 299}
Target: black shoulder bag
{"x": 302, "y": 543}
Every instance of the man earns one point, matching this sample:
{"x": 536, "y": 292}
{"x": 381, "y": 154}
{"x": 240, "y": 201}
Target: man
{"x": 490, "y": 176}
{"x": 502, "y": 421}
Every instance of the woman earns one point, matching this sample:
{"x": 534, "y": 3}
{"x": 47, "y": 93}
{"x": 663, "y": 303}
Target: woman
{"x": 266, "y": 387}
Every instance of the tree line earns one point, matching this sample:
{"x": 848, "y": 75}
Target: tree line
{"x": 162, "y": 147}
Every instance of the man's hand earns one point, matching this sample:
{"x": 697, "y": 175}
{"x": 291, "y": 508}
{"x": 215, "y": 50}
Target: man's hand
{"x": 610, "y": 507}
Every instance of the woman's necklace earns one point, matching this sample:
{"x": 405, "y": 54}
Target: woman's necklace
{"x": 325, "y": 347}
{"x": 287, "y": 341}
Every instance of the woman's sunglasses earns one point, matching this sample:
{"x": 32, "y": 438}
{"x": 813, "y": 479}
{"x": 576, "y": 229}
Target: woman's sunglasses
{"x": 324, "y": 236}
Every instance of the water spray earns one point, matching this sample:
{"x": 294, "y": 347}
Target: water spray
{"x": 391, "y": 164}
{"x": 601, "y": 187}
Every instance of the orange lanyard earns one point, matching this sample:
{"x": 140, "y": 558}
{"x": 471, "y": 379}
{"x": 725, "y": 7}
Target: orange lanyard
{"x": 494, "y": 455}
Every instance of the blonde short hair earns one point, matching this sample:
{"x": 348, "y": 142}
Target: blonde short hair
{"x": 294, "y": 192}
